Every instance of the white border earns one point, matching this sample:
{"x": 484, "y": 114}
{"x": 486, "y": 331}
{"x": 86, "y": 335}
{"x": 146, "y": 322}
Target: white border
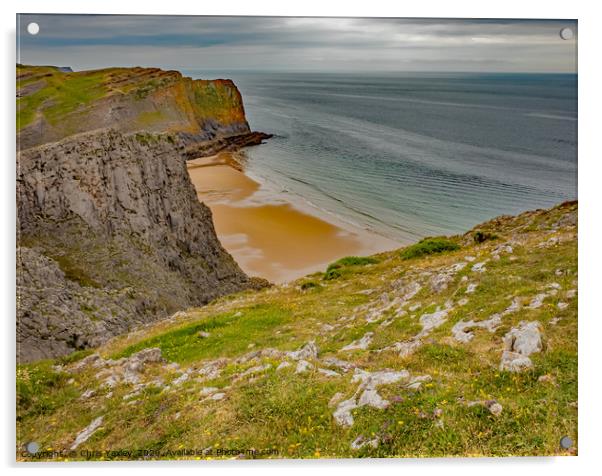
{"x": 590, "y": 264}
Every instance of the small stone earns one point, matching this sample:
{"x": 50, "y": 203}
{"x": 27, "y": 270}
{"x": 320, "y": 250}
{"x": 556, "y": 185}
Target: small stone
{"x": 360, "y": 344}
{"x": 336, "y": 398}
{"x": 479, "y": 267}
{"x": 303, "y": 366}
{"x": 218, "y": 396}
{"x": 284, "y": 364}
{"x": 562, "y": 305}
{"x": 471, "y": 288}
{"x": 547, "y": 378}
{"x": 205, "y": 391}
{"x": 571, "y": 293}
{"x": 494, "y": 407}
{"x": 203, "y": 334}
{"x": 371, "y": 398}
{"x": 342, "y": 414}
{"x": 361, "y": 441}
{"x": 87, "y": 394}
{"x": 308, "y": 351}
{"x": 437, "y": 412}
{"x": 86, "y": 433}
{"x": 537, "y": 301}
{"x": 181, "y": 379}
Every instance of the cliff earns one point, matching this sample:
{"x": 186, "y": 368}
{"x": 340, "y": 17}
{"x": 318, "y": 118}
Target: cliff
{"x": 110, "y": 230}
{"x": 453, "y": 346}
{"x": 53, "y": 104}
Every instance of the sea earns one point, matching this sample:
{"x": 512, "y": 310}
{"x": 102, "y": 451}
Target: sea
{"x": 415, "y": 154}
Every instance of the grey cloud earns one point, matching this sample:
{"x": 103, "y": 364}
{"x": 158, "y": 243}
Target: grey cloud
{"x": 273, "y": 43}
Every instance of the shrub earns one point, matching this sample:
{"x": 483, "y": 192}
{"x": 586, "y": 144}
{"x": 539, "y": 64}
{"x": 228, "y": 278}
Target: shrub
{"x": 482, "y": 236}
{"x": 334, "y": 270}
{"x": 429, "y": 246}
{"x": 309, "y": 285}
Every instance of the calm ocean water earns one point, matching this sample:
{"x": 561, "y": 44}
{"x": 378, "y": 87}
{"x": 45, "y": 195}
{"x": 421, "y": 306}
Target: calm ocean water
{"x": 413, "y": 155}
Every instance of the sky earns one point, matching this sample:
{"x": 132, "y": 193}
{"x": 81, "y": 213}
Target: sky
{"x": 298, "y": 44}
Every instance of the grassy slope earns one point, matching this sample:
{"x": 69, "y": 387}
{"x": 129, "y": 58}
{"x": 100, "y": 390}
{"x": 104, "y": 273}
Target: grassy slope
{"x": 165, "y": 98}
{"x": 289, "y": 412}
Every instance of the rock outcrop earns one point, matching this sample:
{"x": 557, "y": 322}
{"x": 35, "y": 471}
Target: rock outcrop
{"x": 53, "y": 104}
{"x": 111, "y": 235}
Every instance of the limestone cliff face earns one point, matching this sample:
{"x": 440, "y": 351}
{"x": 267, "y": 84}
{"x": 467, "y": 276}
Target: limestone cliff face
{"x": 110, "y": 231}
{"x": 53, "y": 104}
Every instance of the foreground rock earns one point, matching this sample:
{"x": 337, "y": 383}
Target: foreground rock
{"x": 519, "y": 343}
{"x": 111, "y": 236}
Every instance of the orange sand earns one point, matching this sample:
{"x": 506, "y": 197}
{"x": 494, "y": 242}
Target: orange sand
{"x": 276, "y": 241}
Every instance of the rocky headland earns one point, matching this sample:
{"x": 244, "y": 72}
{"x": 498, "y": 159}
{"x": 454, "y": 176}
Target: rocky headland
{"x": 110, "y": 230}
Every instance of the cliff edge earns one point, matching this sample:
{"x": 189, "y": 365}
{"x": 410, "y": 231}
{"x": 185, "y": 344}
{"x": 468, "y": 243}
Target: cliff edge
{"x": 110, "y": 233}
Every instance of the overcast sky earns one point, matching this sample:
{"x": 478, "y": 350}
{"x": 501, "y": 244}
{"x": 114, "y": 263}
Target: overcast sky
{"x": 298, "y": 44}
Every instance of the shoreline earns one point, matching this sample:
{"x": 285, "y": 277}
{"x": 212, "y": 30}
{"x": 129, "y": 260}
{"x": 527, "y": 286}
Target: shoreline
{"x": 267, "y": 234}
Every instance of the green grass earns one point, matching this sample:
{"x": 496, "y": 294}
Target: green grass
{"x": 62, "y": 94}
{"x": 230, "y": 334}
{"x": 429, "y": 246}
{"x": 338, "y": 268}
{"x": 289, "y": 413}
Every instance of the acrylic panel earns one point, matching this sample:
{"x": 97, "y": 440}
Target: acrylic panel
{"x": 289, "y": 237}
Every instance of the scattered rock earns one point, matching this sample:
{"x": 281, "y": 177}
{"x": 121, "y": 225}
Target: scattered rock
{"x": 371, "y": 398}
{"x": 86, "y": 433}
{"x": 206, "y": 391}
{"x": 181, "y": 379}
{"x": 462, "y": 329}
{"x": 254, "y": 370}
{"x": 329, "y": 373}
{"x": 303, "y": 366}
{"x": 342, "y": 414}
{"x": 284, "y": 364}
{"x": 415, "y": 383}
{"x": 211, "y": 370}
{"x": 471, "y": 288}
{"x": 336, "y": 398}
{"x": 369, "y": 381}
{"x": 432, "y": 321}
{"x": 360, "y": 344}
{"x": 537, "y": 301}
{"x": 308, "y": 351}
{"x": 562, "y": 305}
{"x": 571, "y": 293}
{"x": 547, "y": 378}
{"x": 218, "y": 396}
{"x": 87, "y": 394}
{"x": 492, "y": 405}
{"x": 519, "y": 343}
{"x": 479, "y": 267}
{"x": 341, "y": 364}
{"x": 203, "y": 334}
{"x": 361, "y": 441}
{"x": 440, "y": 282}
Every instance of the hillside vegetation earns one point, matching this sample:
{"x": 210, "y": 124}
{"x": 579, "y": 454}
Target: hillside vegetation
{"x": 464, "y": 346}
{"x": 53, "y": 104}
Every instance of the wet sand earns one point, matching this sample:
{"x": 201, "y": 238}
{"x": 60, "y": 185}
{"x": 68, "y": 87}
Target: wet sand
{"x": 272, "y": 238}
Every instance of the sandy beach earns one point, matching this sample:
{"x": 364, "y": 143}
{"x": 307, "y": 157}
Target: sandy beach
{"x": 272, "y": 238}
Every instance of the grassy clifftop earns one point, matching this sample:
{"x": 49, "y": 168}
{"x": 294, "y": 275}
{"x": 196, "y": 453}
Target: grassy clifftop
{"x": 52, "y": 104}
{"x": 459, "y": 346}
